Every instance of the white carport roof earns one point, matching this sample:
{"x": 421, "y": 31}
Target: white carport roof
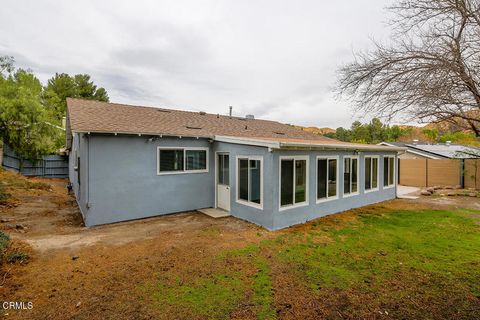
{"x": 299, "y": 144}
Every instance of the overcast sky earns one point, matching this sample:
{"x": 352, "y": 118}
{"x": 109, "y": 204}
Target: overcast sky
{"x": 274, "y": 59}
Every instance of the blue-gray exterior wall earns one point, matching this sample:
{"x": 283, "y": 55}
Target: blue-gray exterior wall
{"x": 264, "y": 216}
{"x": 80, "y": 186}
{"x": 291, "y": 216}
{"x": 119, "y": 182}
{"x": 124, "y": 185}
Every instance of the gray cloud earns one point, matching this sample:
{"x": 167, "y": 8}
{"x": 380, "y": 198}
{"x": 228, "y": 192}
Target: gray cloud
{"x": 275, "y": 59}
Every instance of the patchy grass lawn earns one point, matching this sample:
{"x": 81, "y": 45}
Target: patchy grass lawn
{"x": 401, "y": 264}
{"x": 400, "y": 259}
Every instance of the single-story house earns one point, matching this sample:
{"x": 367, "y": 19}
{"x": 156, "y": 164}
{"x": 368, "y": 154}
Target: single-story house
{"x": 435, "y": 151}
{"x": 129, "y": 162}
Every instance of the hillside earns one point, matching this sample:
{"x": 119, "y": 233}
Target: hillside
{"x": 320, "y": 131}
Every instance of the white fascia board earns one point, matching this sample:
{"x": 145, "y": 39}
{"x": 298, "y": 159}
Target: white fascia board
{"x": 292, "y": 145}
{"x": 327, "y": 146}
{"x": 248, "y": 141}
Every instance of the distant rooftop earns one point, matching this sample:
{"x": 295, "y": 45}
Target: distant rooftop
{"x": 439, "y": 150}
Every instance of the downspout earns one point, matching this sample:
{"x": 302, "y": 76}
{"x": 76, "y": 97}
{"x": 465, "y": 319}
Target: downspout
{"x": 462, "y": 173}
{"x": 87, "y": 185}
{"x": 399, "y": 153}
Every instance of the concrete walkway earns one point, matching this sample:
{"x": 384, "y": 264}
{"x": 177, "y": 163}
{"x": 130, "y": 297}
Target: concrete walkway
{"x": 215, "y": 212}
{"x": 404, "y": 192}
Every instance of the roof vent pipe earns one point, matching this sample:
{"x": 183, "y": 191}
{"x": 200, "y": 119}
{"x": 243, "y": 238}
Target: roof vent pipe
{"x": 415, "y": 141}
{"x": 448, "y": 142}
{"x": 230, "y": 111}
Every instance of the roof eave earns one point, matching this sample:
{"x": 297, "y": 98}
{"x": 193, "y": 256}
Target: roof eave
{"x": 144, "y": 134}
{"x": 304, "y": 146}
{"x": 331, "y": 146}
{"x": 248, "y": 141}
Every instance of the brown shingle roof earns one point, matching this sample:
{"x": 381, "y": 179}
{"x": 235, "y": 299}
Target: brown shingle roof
{"x": 95, "y": 116}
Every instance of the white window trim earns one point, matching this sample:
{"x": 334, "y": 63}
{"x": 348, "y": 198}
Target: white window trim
{"x": 356, "y": 193}
{"x": 184, "y": 171}
{"x": 394, "y": 173}
{"x": 237, "y": 182}
{"x": 371, "y": 173}
{"x": 294, "y": 205}
{"x": 327, "y": 198}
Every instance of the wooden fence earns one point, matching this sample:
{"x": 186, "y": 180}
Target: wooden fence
{"x": 429, "y": 173}
{"x": 52, "y": 166}
{"x": 472, "y": 173}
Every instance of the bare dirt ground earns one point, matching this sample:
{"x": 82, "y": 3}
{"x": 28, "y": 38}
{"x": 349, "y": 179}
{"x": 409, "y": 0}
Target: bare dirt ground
{"x": 74, "y": 269}
{"x": 80, "y": 273}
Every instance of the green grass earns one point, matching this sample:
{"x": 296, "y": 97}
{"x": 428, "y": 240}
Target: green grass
{"x": 213, "y": 297}
{"x": 433, "y": 255}
{"x": 263, "y": 290}
{"x": 4, "y": 238}
{"x": 378, "y": 247}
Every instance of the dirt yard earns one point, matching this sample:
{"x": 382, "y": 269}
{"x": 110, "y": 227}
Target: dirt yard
{"x": 190, "y": 266}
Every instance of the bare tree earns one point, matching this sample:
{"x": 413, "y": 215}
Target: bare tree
{"x": 430, "y": 72}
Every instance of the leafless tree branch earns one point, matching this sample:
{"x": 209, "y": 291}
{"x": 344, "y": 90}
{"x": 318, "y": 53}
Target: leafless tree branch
{"x": 431, "y": 70}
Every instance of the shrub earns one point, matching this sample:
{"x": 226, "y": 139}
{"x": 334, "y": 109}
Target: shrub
{"x": 18, "y": 257}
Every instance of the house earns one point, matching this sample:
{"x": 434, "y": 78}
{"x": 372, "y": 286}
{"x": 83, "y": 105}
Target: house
{"x": 129, "y": 162}
{"x": 437, "y": 151}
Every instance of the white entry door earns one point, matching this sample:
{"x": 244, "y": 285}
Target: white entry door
{"x": 223, "y": 181}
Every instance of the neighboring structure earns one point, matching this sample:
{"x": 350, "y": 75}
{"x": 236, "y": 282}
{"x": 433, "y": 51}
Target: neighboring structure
{"x": 437, "y": 151}
{"x": 129, "y": 162}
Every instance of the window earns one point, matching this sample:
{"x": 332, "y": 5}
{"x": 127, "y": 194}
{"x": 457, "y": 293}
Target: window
{"x": 350, "y": 175}
{"x": 327, "y": 178}
{"x": 250, "y": 181}
{"x": 293, "y": 181}
{"x": 388, "y": 171}
{"x": 371, "y": 173}
{"x": 196, "y": 159}
{"x": 182, "y": 160}
{"x": 223, "y": 169}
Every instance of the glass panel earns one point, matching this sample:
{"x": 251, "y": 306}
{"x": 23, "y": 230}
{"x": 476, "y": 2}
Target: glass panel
{"x": 220, "y": 169}
{"x": 391, "y": 173}
{"x": 196, "y": 159}
{"x": 368, "y": 173}
{"x": 255, "y": 176}
{"x": 321, "y": 178}
{"x": 354, "y": 175}
{"x": 171, "y": 160}
{"x": 346, "y": 175}
{"x": 223, "y": 169}
{"x": 332, "y": 177}
{"x": 226, "y": 169}
{"x": 286, "y": 183}
{"x": 374, "y": 173}
{"x": 243, "y": 179}
{"x": 301, "y": 181}
{"x": 385, "y": 171}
